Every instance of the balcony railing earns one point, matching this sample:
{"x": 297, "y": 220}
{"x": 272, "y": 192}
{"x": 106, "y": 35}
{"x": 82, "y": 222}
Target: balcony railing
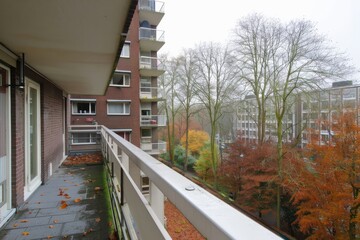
{"x": 152, "y": 148}
{"x": 152, "y": 63}
{"x": 151, "y": 5}
{"x": 151, "y": 34}
{"x": 150, "y": 93}
{"x": 152, "y": 121}
{"x": 142, "y": 217}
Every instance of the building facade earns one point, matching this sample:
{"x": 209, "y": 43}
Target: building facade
{"x": 40, "y": 64}
{"x": 129, "y": 106}
{"x": 309, "y": 117}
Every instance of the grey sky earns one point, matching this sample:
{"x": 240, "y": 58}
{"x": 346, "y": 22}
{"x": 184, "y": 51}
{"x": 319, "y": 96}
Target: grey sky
{"x": 188, "y": 22}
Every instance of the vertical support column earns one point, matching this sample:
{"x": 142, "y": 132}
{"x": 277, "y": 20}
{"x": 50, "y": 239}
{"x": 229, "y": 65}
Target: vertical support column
{"x": 157, "y": 202}
{"x": 135, "y": 173}
{"x": 125, "y": 161}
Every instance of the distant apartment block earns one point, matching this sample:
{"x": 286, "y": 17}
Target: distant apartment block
{"x": 309, "y": 117}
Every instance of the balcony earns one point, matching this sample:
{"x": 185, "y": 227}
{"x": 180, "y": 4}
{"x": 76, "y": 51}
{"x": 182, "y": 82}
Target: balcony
{"x": 152, "y": 148}
{"x": 152, "y": 121}
{"x": 142, "y": 217}
{"x": 151, "y": 11}
{"x": 151, "y": 66}
{"x": 138, "y": 206}
{"x": 151, "y": 39}
{"x": 150, "y": 94}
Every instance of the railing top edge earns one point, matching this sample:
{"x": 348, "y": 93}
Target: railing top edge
{"x": 174, "y": 186}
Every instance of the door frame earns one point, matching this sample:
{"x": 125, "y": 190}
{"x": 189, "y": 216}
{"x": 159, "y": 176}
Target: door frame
{"x": 6, "y": 210}
{"x": 32, "y": 184}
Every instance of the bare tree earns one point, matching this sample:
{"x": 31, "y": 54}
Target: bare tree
{"x": 216, "y": 87}
{"x": 186, "y": 91}
{"x": 168, "y": 83}
{"x": 254, "y": 39}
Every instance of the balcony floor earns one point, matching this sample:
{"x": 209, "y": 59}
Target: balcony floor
{"x": 45, "y": 216}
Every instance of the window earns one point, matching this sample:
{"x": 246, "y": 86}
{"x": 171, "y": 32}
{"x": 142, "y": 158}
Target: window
{"x": 118, "y": 107}
{"x": 83, "y": 107}
{"x": 121, "y": 79}
{"x": 84, "y": 138}
{"x": 125, "y": 53}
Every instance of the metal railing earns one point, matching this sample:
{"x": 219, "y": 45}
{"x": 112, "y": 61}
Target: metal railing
{"x": 142, "y": 217}
{"x": 150, "y": 92}
{"x": 151, "y": 63}
{"x": 151, "y": 34}
{"x": 152, "y": 120}
{"x": 151, "y": 5}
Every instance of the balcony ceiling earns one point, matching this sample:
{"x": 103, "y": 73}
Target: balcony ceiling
{"x": 74, "y": 44}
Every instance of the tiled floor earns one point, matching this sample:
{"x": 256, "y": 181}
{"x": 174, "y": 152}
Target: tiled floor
{"x": 71, "y": 205}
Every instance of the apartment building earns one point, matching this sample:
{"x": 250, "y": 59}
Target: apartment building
{"x": 309, "y": 116}
{"x": 46, "y": 53}
{"x": 129, "y": 107}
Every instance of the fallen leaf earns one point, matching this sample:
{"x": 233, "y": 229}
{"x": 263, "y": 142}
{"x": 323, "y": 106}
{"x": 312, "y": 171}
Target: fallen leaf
{"x": 24, "y": 221}
{"x": 49, "y": 237}
{"x": 67, "y": 197}
{"x": 25, "y": 233}
{"x": 62, "y": 202}
{"x": 63, "y": 206}
{"x": 77, "y": 200}
{"x": 15, "y": 225}
{"x": 84, "y": 233}
{"x": 97, "y": 188}
{"x": 51, "y": 226}
{"x": 98, "y": 220}
{"x": 55, "y": 221}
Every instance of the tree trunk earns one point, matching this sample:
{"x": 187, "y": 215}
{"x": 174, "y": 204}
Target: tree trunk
{"x": 279, "y": 149}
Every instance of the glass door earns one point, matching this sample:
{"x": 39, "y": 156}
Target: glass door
{"x": 32, "y": 143}
{"x": 5, "y": 173}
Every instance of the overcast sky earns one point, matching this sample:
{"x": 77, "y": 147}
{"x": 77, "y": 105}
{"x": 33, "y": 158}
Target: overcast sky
{"x": 188, "y": 22}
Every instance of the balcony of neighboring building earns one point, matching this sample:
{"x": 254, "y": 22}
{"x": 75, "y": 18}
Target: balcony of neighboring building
{"x": 152, "y": 11}
{"x": 151, "y": 39}
{"x": 151, "y": 66}
{"x": 150, "y": 94}
{"x": 152, "y": 121}
{"x": 152, "y": 148}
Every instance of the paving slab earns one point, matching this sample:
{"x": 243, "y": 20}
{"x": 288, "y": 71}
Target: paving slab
{"x": 68, "y": 206}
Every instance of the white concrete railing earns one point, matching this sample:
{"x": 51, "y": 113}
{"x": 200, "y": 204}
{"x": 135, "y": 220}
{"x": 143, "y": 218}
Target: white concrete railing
{"x": 151, "y": 34}
{"x": 151, "y": 5}
{"x": 150, "y": 92}
{"x": 152, "y": 148}
{"x": 152, "y": 120}
{"x": 151, "y": 63}
{"x": 213, "y": 218}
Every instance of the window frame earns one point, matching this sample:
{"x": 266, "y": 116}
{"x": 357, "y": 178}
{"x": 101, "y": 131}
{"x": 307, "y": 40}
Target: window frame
{"x": 118, "y": 102}
{"x": 92, "y": 138}
{"x": 84, "y": 101}
{"x": 123, "y": 73}
{"x": 126, "y": 48}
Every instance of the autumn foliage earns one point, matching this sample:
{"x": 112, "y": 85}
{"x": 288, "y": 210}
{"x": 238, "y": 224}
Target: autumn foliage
{"x": 249, "y": 173}
{"x": 197, "y": 140}
{"x": 326, "y": 186}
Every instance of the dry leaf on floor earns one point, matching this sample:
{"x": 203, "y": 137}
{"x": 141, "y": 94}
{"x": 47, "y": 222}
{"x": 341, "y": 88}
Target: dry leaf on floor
{"x": 55, "y": 221}
{"x": 77, "y": 200}
{"x": 24, "y": 221}
{"x": 49, "y": 237}
{"x": 63, "y": 206}
{"x": 97, "y": 188}
{"x": 15, "y": 225}
{"x": 97, "y": 219}
{"x": 25, "y": 233}
{"x": 51, "y": 226}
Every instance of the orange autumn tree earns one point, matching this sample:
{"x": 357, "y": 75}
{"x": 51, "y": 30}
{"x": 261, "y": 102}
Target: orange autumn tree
{"x": 197, "y": 140}
{"x": 327, "y": 186}
{"x": 249, "y": 172}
